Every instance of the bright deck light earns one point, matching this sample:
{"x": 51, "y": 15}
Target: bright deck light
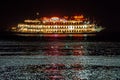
{"x": 70, "y": 27}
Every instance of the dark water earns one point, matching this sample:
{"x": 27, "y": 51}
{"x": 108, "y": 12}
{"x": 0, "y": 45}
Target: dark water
{"x": 54, "y": 58}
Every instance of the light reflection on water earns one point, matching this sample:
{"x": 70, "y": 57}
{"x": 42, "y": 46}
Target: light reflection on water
{"x": 57, "y": 59}
{"x": 57, "y": 35}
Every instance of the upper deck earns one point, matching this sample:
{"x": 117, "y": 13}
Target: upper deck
{"x": 65, "y": 20}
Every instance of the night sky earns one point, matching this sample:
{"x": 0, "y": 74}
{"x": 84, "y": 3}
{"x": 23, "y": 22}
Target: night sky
{"x": 105, "y": 12}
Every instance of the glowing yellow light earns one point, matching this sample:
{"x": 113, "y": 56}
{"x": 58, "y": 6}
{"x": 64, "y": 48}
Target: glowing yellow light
{"x": 54, "y": 19}
{"x": 70, "y": 27}
{"x": 66, "y": 17}
{"x": 76, "y": 17}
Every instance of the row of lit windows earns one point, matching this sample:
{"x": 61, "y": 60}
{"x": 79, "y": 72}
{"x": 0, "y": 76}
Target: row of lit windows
{"x": 34, "y": 30}
{"x": 55, "y": 31}
{"x": 70, "y": 31}
{"x": 28, "y": 24}
{"x": 63, "y": 27}
{"x": 64, "y": 23}
{"x": 52, "y": 27}
{"x": 39, "y": 26}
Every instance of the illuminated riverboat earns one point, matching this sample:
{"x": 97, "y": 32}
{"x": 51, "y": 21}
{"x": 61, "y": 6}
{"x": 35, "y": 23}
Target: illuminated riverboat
{"x": 57, "y": 26}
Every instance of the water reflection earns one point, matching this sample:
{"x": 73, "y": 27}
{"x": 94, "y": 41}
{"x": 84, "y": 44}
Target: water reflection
{"x": 55, "y": 71}
{"x": 59, "y": 59}
{"x": 60, "y": 48}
